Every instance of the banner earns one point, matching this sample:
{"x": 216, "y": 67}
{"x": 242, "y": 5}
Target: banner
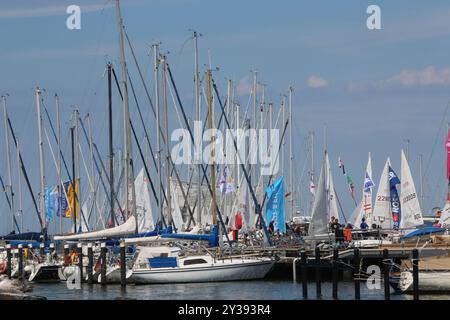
{"x": 51, "y": 202}
{"x": 395, "y": 199}
{"x": 275, "y": 205}
{"x": 66, "y": 209}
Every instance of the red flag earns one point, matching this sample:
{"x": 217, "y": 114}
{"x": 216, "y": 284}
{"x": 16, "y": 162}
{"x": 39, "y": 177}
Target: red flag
{"x": 447, "y": 145}
{"x": 238, "y": 221}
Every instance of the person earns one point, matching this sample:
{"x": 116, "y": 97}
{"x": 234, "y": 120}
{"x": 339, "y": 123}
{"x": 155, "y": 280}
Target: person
{"x": 363, "y": 225}
{"x": 334, "y": 225}
{"x": 348, "y": 232}
{"x": 271, "y": 226}
{"x": 338, "y": 232}
{"x": 330, "y": 224}
{"x": 436, "y": 224}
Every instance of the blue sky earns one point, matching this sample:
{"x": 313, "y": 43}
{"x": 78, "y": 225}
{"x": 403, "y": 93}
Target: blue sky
{"x": 372, "y": 88}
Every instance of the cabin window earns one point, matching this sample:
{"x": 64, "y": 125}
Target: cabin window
{"x": 194, "y": 261}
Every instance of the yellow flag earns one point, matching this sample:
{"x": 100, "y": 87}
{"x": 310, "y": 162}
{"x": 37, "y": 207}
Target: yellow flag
{"x": 73, "y": 200}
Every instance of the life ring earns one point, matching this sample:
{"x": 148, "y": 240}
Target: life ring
{"x": 2, "y": 267}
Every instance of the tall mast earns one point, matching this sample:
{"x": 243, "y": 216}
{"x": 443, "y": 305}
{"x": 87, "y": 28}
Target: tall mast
{"x": 20, "y": 186}
{"x": 198, "y": 118}
{"x": 421, "y": 179}
{"x": 92, "y": 172}
{"x": 8, "y": 162}
{"x": 238, "y": 175}
{"x": 77, "y": 173}
{"x": 312, "y": 167}
{"x": 291, "y": 155}
{"x": 255, "y": 83}
{"x": 111, "y": 149}
{"x": 283, "y": 113}
{"x": 74, "y": 203}
{"x": 41, "y": 163}
{"x": 158, "y": 130}
{"x": 60, "y": 185}
{"x": 129, "y": 171}
{"x": 166, "y": 133}
{"x": 212, "y": 155}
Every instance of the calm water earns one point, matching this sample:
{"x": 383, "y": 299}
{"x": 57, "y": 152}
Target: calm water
{"x": 243, "y": 290}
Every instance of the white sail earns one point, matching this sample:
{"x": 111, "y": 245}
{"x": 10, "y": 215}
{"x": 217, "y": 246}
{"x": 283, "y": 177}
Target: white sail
{"x": 145, "y": 218}
{"x": 84, "y": 227}
{"x": 411, "y": 214}
{"x": 175, "y": 207}
{"x": 364, "y": 208}
{"x": 126, "y": 228}
{"x": 382, "y": 209}
{"x": 325, "y": 204}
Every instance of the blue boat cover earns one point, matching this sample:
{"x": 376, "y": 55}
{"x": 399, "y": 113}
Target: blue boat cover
{"x": 423, "y": 231}
{"x": 31, "y": 236}
{"x": 163, "y": 262}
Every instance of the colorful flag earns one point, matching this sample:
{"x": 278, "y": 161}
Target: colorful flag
{"x": 447, "y": 145}
{"x": 275, "y": 205}
{"x": 341, "y": 165}
{"x": 350, "y": 184}
{"x": 72, "y": 198}
{"x": 395, "y": 199}
{"x": 368, "y": 183}
{"x": 51, "y": 202}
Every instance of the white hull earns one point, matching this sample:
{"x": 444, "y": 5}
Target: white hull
{"x": 369, "y": 243}
{"x": 428, "y": 281}
{"x": 219, "y": 271}
{"x": 46, "y": 273}
{"x": 113, "y": 275}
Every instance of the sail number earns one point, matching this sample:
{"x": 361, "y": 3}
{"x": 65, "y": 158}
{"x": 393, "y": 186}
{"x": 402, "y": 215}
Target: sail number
{"x": 409, "y": 197}
{"x": 383, "y": 198}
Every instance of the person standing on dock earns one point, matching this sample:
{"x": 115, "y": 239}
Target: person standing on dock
{"x": 363, "y": 225}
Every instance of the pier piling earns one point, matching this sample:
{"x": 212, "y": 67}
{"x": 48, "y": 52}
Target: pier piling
{"x": 123, "y": 280}
{"x": 415, "y": 264}
{"x": 357, "y": 273}
{"x": 66, "y": 255}
{"x": 90, "y": 263}
{"x": 80, "y": 260}
{"x": 304, "y": 270}
{"x": 8, "y": 260}
{"x": 103, "y": 265}
{"x": 335, "y": 272}
{"x": 387, "y": 289}
{"x": 20, "y": 253}
{"x": 318, "y": 279}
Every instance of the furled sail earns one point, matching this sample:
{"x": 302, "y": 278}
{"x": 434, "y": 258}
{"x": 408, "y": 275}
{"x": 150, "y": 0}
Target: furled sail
{"x": 145, "y": 218}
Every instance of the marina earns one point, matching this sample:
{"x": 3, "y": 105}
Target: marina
{"x": 173, "y": 178}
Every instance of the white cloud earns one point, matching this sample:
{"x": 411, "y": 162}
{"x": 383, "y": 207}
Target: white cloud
{"x": 317, "y": 82}
{"x": 430, "y": 76}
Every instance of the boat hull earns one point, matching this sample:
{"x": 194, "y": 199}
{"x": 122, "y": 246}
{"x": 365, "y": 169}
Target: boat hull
{"x": 429, "y": 281}
{"x": 46, "y": 273}
{"x": 210, "y": 273}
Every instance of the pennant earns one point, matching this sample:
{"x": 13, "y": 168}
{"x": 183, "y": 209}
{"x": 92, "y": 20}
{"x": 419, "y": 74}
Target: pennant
{"x": 368, "y": 183}
{"x": 312, "y": 187}
{"x": 275, "y": 205}
{"x": 350, "y": 184}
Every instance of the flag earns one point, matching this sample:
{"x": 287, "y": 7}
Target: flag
{"x": 368, "y": 183}
{"x": 72, "y": 198}
{"x": 395, "y": 199}
{"x": 51, "y": 202}
{"x": 312, "y": 187}
{"x": 341, "y": 165}
{"x": 275, "y": 205}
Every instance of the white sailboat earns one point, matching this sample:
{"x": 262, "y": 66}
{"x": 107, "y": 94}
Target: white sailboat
{"x": 382, "y": 209}
{"x": 145, "y": 217}
{"x": 411, "y": 216}
{"x": 325, "y": 204}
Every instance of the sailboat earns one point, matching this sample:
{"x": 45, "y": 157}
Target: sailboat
{"x": 382, "y": 217}
{"x": 324, "y": 207}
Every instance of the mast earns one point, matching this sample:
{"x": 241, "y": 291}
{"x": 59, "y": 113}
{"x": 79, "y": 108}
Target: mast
{"x": 158, "y": 130}
{"x": 255, "y": 79}
{"x": 74, "y": 203}
{"x": 312, "y": 166}
{"x": 282, "y": 153}
{"x": 198, "y": 118}
{"x": 111, "y": 148}
{"x": 129, "y": 170}
{"x": 212, "y": 155}
{"x": 421, "y": 179}
{"x": 166, "y": 133}
{"x": 291, "y": 156}
{"x": 41, "y": 163}
{"x": 8, "y": 162}
{"x": 20, "y": 186}
{"x": 238, "y": 176}
{"x": 60, "y": 185}
{"x": 92, "y": 172}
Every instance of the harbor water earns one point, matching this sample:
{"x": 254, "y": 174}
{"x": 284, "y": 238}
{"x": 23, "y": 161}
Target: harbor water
{"x": 241, "y": 290}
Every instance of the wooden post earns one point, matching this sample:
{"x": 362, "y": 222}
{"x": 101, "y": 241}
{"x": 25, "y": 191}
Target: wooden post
{"x": 90, "y": 263}
{"x": 123, "y": 266}
{"x": 387, "y": 289}
{"x": 335, "y": 272}
{"x": 318, "y": 280}
{"x": 357, "y": 273}
{"x": 66, "y": 255}
{"x": 8, "y": 260}
{"x": 304, "y": 270}
{"x": 80, "y": 260}
{"x": 20, "y": 253}
{"x": 415, "y": 263}
{"x": 103, "y": 266}
{"x": 42, "y": 249}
